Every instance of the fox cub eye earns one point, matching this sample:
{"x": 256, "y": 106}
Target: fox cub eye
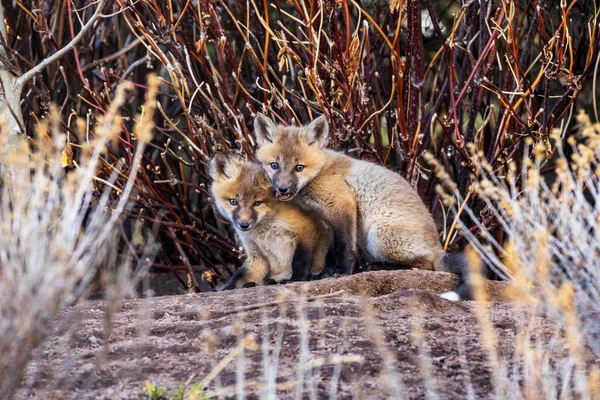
{"x": 299, "y": 167}
{"x": 233, "y": 202}
{"x": 274, "y": 165}
{"x": 258, "y": 203}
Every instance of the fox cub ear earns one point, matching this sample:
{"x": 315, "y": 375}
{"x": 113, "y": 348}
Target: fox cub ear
{"x": 317, "y": 132}
{"x": 223, "y": 166}
{"x": 265, "y": 130}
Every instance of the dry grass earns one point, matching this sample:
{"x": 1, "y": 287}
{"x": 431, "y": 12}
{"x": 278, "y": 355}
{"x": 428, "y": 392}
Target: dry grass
{"x": 59, "y": 225}
{"x": 552, "y": 225}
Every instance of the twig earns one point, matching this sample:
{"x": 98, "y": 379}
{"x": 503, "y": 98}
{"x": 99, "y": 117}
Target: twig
{"x": 277, "y": 302}
{"x": 2, "y": 32}
{"x": 43, "y": 64}
{"x": 134, "y": 65}
{"x": 114, "y": 56}
{"x": 247, "y": 342}
{"x": 594, "y": 82}
{"x": 186, "y": 262}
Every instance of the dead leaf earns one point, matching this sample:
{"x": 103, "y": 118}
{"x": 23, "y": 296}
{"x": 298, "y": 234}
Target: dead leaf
{"x": 354, "y": 55}
{"x": 395, "y": 5}
{"x": 66, "y": 160}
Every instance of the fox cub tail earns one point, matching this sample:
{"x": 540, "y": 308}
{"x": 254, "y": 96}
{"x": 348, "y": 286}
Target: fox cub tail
{"x": 458, "y": 264}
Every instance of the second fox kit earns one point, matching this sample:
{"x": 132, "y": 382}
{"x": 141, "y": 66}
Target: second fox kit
{"x": 281, "y": 241}
{"x": 367, "y": 205}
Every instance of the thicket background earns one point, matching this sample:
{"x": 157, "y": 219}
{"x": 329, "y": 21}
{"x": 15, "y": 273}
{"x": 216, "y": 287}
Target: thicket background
{"x": 396, "y": 79}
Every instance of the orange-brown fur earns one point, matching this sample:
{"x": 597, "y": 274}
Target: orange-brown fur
{"x": 275, "y": 230}
{"x": 367, "y": 206}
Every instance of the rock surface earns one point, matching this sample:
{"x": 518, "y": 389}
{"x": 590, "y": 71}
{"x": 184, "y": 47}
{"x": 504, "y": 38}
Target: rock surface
{"x": 371, "y": 335}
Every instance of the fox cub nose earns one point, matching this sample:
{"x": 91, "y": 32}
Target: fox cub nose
{"x": 282, "y": 189}
{"x": 244, "y": 225}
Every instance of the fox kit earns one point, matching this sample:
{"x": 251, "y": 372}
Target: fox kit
{"x": 366, "y": 205}
{"x": 281, "y": 241}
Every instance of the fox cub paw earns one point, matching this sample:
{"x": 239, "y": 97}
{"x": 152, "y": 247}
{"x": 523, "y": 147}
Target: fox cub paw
{"x": 249, "y": 284}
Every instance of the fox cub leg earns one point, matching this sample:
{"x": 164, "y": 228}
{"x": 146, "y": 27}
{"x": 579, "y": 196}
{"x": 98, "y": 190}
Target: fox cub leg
{"x": 254, "y": 270}
{"x": 302, "y": 263}
{"x": 324, "y": 241}
{"x": 309, "y": 258}
{"x": 344, "y": 240}
{"x": 344, "y": 252}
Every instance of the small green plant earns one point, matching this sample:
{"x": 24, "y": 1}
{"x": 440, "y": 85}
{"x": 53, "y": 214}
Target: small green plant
{"x": 181, "y": 393}
{"x": 155, "y": 392}
{"x": 195, "y": 393}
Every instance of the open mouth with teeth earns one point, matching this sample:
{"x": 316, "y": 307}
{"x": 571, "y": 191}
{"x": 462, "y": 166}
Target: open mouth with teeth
{"x": 284, "y": 196}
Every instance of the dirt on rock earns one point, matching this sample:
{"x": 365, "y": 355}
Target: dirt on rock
{"x": 372, "y": 335}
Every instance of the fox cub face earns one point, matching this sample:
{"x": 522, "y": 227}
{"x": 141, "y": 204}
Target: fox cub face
{"x": 241, "y": 191}
{"x": 291, "y": 156}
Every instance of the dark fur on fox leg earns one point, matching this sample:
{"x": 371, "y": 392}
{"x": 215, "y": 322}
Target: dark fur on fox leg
{"x": 330, "y": 264}
{"x": 232, "y": 283}
{"x": 301, "y": 264}
{"x": 340, "y": 259}
{"x": 344, "y": 256}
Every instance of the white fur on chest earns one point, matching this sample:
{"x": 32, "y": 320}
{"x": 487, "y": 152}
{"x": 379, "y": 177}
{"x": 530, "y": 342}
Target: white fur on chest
{"x": 274, "y": 242}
